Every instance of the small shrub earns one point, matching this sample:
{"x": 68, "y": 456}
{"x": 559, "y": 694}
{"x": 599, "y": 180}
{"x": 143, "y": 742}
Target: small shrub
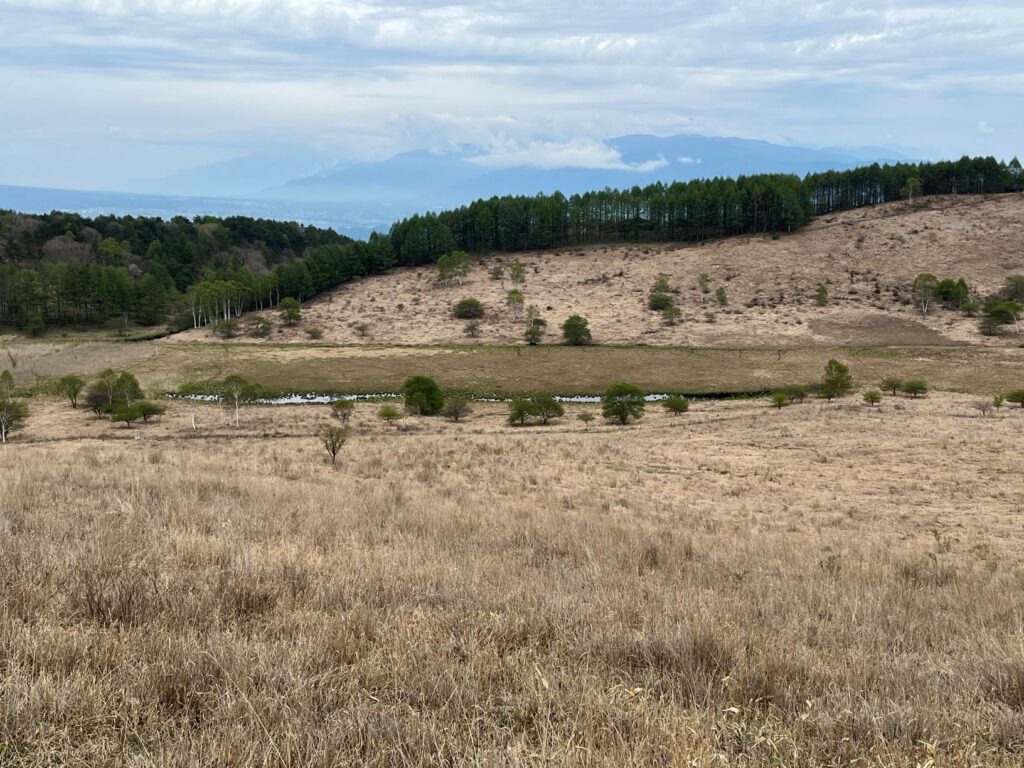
{"x": 586, "y": 417}
{"x": 1016, "y": 397}
{"x": 622, "y": 402}
{"x": 149, "y": 410}
{"x": 342, "y": 410}
{"x": 704, "y": 282}
{"x": 533, "y": 334}
{"x": 314, "y": 333}
{"x": 779, "y": 399}
{"x": 422, "y": 396}
{"x": 821, "y": 296}
{"x": 576, "y": 331}
{"x": 472, "y": 329}
{"x": 671, "y": 314}
{"x": 456, "y": 409}
{"x": 468, "y": 309}
{"x": 872, "y": 397}
{"x": 259, "y": 328}
{"x": 914, "y": 388}
{"x": 720, "y": 296}
{"x": 676, "y": 404}
{"x": 997, "y": 401}
{"x": 658, "y": 302}
{"x": 290, "y": 311}
{"x": 892, "y": 385}
{"x": 837, "y": 381}
{"x": 334, "y": 439}
{"x": 226, "y": 329}
{"x": 388, "y": 413}
{"x": 796, "y": 393}
{"x": 520, "y": 410}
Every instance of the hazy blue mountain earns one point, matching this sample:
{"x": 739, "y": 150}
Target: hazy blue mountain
{"x": 301, "y": 184}
{"x": 436, "y": 179}
{"x": 351, "y": 219}
{"x": 243, "y": 176}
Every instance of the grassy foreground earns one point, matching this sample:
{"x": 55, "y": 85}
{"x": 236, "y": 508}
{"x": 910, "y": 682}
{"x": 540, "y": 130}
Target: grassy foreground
{"x": 822, "y": 585}
{"x": 489, "y": 369}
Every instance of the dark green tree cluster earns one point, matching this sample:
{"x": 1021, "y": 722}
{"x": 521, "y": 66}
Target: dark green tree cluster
{"x": 686, "y": 211}
{"x": 65, "y": 269}
{"x": 874, "y": 184}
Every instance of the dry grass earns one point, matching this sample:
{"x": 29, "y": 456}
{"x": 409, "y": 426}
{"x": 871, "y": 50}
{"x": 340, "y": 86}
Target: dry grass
{"x": 868, "y": 259}
{"x": 825, "y": 585}
{"x": 163, "y": 366}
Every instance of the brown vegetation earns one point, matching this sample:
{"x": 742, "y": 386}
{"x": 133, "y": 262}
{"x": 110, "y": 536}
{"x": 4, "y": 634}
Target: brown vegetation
{"x": 820, "y": 585}
{"x": 867, "y": 259}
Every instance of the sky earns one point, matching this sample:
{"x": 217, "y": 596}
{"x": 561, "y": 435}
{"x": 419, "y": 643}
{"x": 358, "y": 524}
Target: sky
{"x": 97, "y": 93}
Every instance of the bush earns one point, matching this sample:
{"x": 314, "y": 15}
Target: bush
{"x": 13, "y": 414}
{"x": 661, "y": 284}
{"x": 334, "y": 439}
{"x": 456, "y": 408}
{"x": 543, "y": 407}
{"x": 671, "y": 314}
{"x": 997, "y": 401}
{"x": 342, "y": 410}
{"x": 149, "y": 410}
{"x": 226, "y": 329}
{"x": 914, "y": 388}
{"x": 821, "y": 297}
{"x": 547, "y": 407}
{"x": 388, "y": 413}
{"x": 126, "y": 414}
{"x": 260, "y": 328}
{"x": 472, "y": 329}
{"x": 720, "y": 296}
{"x": 314, "y": 333}
{"x": 468, "y": 309}
{"x": 622, "y": 402}
{"x": 837, "y": 381}
{"x": 533, "y": 334}
{"x": 892, "y": 385}
{"x": 290, "y": 311}
{"x": 872, "y": 397}
{"x": 586, "y": 417}
{"x": 795, "y": 393}
{"x": 576, "y": 331}
{"x": 676, "y": 404}
{"x": 422, "y": 396}
{"x": 658, "y": 302}
{"x": 999, "y": 313}
{"x": 71, "y": 387}
{"x": 1015, "y": 396}
{"x": 779, "y": 399}
{"x": 520, "y": 410}
{"x": 704, "y": 282}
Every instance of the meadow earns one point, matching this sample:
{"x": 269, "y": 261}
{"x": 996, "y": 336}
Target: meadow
{"x": 825, "y": 584}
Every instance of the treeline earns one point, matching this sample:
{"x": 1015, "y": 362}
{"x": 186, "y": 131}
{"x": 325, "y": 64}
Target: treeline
{"x": 66, "y": 269}
{"x": 686, "y": 211}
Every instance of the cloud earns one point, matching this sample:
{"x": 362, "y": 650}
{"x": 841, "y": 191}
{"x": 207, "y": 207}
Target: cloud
{"x": 535, "y": 81}
{"x": 578, "y": 153}
{"x": 688, "y": 160}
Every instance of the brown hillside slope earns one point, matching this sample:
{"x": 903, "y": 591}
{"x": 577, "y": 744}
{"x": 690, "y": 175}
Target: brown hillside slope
{"x": 867, "y": 258}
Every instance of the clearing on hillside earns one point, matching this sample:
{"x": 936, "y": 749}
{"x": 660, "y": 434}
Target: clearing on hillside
{"x": 867, "y": 260}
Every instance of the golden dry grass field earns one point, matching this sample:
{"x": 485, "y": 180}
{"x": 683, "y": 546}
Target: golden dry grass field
{"x": 829, "y": 584}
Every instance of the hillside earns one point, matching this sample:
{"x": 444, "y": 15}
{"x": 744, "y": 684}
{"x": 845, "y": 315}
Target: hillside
{"x": 867, "y": 258}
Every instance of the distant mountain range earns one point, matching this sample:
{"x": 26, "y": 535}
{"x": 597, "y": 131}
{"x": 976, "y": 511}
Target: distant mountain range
{"x": 303, "y": 184}
{"x": 434, "y": 179}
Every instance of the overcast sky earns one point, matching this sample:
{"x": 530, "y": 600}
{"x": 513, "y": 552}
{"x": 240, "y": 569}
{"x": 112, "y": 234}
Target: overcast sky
{"x": 97, "y": 92}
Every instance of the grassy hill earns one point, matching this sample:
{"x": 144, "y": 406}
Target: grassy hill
{"x": 867, "y": 259}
